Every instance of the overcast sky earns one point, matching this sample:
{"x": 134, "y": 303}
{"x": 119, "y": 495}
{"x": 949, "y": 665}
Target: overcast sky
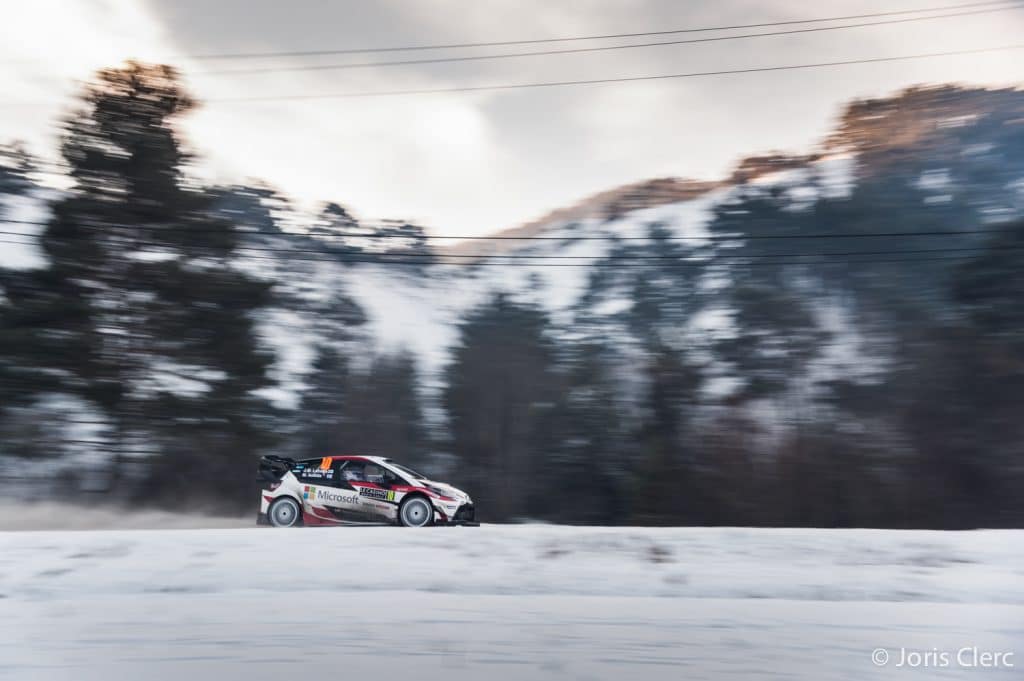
{"x": 472, "y": 163}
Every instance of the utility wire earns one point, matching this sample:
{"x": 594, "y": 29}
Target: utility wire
{"x": 731, "y": 260}
{"x": 400, "y": 260}
{"x": 608, "y": 237}
{"x": 329, "y": 256}
{"x": 606, "y": 81}
{"x": 740, "y": 261}
{"x": 604, "y": 36}
{"x": 580, "y": 50}
{"x": 593, "y": 81}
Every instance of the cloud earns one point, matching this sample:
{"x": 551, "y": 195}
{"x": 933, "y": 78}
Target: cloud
{"x": 472, "y": 163}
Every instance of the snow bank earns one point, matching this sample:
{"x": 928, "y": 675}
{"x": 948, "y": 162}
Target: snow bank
{"x": 504, "y": 603}
{"x": 828, "y": 565}
{"x": 42, "y": 515}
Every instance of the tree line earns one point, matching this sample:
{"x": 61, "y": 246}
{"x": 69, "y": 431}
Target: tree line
{"x": 833, "y": 394}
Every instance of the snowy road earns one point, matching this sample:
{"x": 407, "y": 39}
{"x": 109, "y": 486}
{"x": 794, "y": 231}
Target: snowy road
{"x": 507, "y": 603}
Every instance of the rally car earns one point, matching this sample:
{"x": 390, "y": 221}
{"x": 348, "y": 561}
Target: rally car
{"x": 346, "y": 490}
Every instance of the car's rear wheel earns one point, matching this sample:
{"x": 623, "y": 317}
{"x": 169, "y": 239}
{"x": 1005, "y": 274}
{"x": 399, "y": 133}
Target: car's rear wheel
{"x": 416, "y": 512}
{"x": 283, "y": 512}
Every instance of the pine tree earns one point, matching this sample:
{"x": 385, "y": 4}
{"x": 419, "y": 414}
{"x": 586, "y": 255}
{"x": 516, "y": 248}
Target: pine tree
{"x": 375, "y": 411}
{"x": 502, "y": 386}
{"x": 667, "y": 491}
{"x": 150, "y": 319}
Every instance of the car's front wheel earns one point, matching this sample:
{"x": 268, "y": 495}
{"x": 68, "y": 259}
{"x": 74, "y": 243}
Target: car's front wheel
{"x": 283, "y": 512}
{"x": 416, "y": 512}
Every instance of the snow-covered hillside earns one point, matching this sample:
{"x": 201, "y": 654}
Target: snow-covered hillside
{"x": 508, "y": 602}
{"x": 418, "y": 309}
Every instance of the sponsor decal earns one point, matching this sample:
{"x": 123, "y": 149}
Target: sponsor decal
{"x": 327, "y": 495}
{"x": 332, "y": 497}
{"x": 373, "y": 493}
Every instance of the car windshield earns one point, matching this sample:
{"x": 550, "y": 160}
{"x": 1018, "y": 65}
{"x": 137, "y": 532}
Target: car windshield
{"x": 406, "y": 470}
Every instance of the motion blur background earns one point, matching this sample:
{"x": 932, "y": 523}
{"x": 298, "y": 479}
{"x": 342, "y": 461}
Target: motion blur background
{"x": 792, "y": 297}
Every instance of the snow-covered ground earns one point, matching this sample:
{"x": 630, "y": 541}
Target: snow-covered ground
{"x": 508, "y": 602}
{"x": 30, "y": 516}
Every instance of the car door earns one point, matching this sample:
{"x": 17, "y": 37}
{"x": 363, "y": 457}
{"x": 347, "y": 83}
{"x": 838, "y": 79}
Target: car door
{"x": 316, "y": 476}
{"x": 375, "y": 487}
{"x": 323, "y": 495}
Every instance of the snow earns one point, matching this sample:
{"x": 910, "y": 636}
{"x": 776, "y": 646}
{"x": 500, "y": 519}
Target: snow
{"x": 154, "y": 255}
{"x": 68, "y": 424}
{"x": 802, "y": 197}
{"x": 178, "y": 378}
{"x": 419, "y": 311}
{"x": 830, "y": 177}
{"x": 934, "y": 180}
{"x": 977, "y": 149}
{"x": 685, "y": 219}
{"x": 836, "y": 175}
{"x": 408, "y": 311}
{"x": 48, "y": 515}
{"x": 22, "y": 251}
{"x": 503, "y": 602}
{"x": 614, "y": 306}
{"x": 287, "y": 333}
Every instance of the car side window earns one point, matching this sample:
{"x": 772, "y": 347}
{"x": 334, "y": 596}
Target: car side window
{"x": 313, "y": 471}
{"x": 353, "y": 471}
{"x": 377, "y": 475}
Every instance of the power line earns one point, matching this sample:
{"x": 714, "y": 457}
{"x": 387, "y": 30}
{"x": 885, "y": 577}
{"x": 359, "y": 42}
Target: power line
{"x": 581, "y": 50}
{"x": 594, "y": 81}
{"x": 400, "y": 260}
{"x": 331, "y": 256}
{"x": 608, "y": 237}
{"x": 602, "y": 263}
{"x": 606, "y": 81}
{"x": 605, "y": 36}
{"x": 610, "y": 261}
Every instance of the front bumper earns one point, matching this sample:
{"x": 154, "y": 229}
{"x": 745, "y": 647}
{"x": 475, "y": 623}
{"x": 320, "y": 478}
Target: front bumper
{"x": 464, "y": 515}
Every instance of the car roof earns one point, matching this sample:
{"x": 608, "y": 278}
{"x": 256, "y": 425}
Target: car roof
{"x": 349, "y": 457}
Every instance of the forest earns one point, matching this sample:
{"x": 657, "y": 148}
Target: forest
{"x": 809, "y": 352}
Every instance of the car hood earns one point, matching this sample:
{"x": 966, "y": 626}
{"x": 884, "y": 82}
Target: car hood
{"x": 450, "y": 491}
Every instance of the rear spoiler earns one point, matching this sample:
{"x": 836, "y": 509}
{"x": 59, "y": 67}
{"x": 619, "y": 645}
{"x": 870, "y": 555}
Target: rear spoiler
{"x": 272, "y": 468}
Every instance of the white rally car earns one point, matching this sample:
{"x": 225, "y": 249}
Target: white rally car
{"x": 346, "y": 490}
